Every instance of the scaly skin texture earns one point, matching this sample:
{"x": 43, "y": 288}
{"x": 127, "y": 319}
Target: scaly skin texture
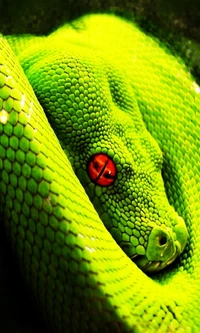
{"x": 82, "y": 97}
{"x": 95, "y": 100}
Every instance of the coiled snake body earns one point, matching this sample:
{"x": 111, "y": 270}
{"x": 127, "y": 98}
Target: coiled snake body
{"x": 99, "y": 80}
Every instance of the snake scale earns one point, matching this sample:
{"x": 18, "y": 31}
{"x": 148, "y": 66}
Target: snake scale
{"x": 123, "y": 108}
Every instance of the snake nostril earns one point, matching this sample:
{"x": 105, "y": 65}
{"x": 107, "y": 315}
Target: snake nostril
{"x": 163, "y": 240}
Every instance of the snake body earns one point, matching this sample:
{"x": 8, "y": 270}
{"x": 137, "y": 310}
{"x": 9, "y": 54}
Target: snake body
{"x": 99, "y": 80}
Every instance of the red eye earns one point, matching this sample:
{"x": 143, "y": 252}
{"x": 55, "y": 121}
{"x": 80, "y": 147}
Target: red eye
{"x": 101, "y": 169}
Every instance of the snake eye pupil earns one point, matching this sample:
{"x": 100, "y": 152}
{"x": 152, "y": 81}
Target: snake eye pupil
{"x": 102, "y": 169}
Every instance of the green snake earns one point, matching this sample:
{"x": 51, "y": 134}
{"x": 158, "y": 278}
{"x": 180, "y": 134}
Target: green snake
{"x": 86, "y": 210}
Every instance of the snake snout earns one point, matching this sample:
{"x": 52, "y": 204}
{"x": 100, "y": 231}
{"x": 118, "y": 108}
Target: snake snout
{"x": 164, "y": 246}
{"x": 161, "y": 245}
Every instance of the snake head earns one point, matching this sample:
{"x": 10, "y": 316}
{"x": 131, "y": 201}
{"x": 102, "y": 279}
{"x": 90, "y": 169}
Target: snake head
{"x": 94, "y": 112}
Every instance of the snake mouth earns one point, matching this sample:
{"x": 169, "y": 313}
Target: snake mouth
{"x": 149, "y": 266}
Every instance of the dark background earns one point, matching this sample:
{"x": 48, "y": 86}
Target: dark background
{"x": 176, "y": 22}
